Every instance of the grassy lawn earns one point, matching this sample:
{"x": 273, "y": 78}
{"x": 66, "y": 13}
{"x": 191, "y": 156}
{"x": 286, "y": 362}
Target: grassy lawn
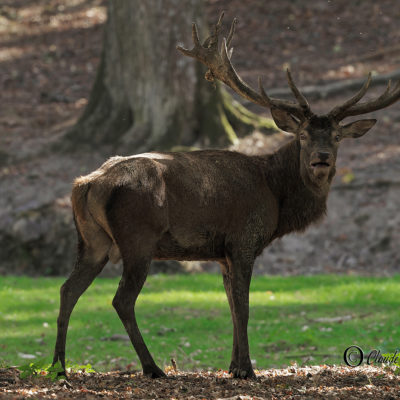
{"x": 187, "y": 318}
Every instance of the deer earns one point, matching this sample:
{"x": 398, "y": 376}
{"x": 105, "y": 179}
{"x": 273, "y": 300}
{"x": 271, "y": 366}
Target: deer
{"x": 215, "y": 205}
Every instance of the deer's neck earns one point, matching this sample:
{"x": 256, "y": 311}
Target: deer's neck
{"x": 300, "y": 204}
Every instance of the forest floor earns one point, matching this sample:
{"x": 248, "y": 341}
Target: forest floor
{"x": 49, "y": 52}
{"x": 318, "y": 382}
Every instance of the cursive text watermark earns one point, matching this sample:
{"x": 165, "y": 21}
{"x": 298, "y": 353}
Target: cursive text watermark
{"x": 354, "y": 356}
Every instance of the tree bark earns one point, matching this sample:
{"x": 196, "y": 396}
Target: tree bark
{"x": 148, "y": 96}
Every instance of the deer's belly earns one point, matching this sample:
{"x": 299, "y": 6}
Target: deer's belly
{"x": 200, "y": 246}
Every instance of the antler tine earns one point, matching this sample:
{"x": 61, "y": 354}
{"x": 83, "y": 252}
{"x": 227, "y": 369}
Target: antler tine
{"x": 263, "y": 93}
{"x": 293, "y": 108}
{"x": 219, "y": 22}
{"x": 386, "y": 92}
{"x": 195, "y": 35}
{"x": 299, "y": 97}
{"x": 212, "y": 40}
{"x": 339, "y": 110}
{"x": 196, "y": 42}
{"x": 231, "y": 32}
{"x": 396, "y": 88}
{"x": 388, "y": 97}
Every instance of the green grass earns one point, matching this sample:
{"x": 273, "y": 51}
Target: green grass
{"x": 187, "y": 318}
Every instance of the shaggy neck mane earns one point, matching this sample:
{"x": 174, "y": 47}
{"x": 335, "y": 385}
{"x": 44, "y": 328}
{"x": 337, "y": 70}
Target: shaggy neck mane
{"x": 299, "y": 206}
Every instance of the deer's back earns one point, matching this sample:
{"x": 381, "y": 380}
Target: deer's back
{"x": 200, "y": 199}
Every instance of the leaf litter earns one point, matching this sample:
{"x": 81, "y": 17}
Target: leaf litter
{"x": 319, "y": 382}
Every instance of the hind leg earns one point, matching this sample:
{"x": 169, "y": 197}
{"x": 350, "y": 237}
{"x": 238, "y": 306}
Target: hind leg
{"x": 137, "y": 225}
{"x": 135, "y": 272}
{"x": 241, "y": 268}
{"x": 88, "y": 265}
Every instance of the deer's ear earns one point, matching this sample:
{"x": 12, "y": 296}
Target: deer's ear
{"x": 357, "y": 129}
{"x": 284, "y": 120}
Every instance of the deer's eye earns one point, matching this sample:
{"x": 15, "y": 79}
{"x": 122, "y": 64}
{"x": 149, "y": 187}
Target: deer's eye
{"x": 337, "y": 138}
{"x": 302, "y": 136}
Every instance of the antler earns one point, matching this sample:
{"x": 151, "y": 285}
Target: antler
{"x": 220, "y": 67}
{"x": 350, "y": 107}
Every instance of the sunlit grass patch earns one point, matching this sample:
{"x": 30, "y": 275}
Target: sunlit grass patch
{"x": 304, "y": 319}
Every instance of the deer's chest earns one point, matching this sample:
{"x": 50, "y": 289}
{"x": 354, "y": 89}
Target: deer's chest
{"x": 296, "y": 216}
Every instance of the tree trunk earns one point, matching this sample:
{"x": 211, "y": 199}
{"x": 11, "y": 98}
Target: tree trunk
{"x": 148, "y": 96}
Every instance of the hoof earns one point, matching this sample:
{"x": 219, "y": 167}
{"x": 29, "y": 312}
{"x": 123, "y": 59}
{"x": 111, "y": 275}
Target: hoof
{"x": 63, "y": 375}
{"x": 154, "y": 373}
{"x": 234, "y": 366}
{"x": 244, "y": 373}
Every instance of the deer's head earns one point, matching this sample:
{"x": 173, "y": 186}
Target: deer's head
{"x": 319, "y": 136}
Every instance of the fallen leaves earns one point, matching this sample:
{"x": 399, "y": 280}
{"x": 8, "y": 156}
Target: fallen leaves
{"x": 292, "y": 382}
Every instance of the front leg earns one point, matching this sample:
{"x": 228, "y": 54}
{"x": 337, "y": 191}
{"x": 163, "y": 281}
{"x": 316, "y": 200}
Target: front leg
{"x": 227, "y": 278}
{"x": 240, "y": 269}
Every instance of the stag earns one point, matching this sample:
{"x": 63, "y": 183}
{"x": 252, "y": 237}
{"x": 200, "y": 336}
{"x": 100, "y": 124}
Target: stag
{"x": 208, "y": 205}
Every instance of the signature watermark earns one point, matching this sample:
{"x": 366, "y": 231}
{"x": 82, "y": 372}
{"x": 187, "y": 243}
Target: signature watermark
{"x": 354, "y": 356}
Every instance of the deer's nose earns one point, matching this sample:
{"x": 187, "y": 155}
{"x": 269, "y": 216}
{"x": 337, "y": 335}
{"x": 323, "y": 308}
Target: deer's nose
{"x": 323, "y": 156}
{"x": 321, "y": 159}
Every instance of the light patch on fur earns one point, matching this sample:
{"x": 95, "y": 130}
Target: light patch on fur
{"x": 111, "y": 162}
{"x": 114, "y": 254}
{"x": 154, "y": 156}
{"x": 83, "y": 180}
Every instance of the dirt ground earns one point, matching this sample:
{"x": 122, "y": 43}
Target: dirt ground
{"x": 321, "y": 382}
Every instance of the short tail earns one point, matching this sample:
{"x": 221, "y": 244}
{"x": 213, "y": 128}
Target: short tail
{"x": 93, "y": 231}
{"x": 79, "y": 200}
